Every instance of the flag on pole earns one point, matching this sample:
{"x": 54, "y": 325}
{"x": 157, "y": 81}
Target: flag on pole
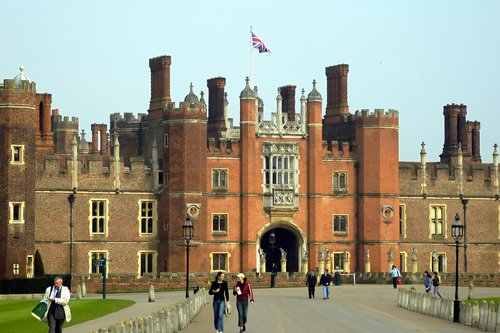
{"x": 258, "y": 44}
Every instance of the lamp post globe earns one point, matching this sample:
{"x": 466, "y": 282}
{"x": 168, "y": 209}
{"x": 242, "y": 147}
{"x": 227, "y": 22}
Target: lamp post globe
{"x": 457, "y": 232}
{"x": 187, "y": 233}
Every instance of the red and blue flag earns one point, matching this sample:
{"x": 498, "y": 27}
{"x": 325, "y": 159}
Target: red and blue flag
{"x": 258, "y": 44}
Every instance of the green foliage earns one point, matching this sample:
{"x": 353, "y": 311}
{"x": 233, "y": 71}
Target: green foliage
{"x": 39, "y": 270}
{"x": 495, "y": 300}
{"x": 16, "y": 315}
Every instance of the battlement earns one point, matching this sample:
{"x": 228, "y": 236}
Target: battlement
{"x": 336, "y": 149}
{"x": 95, "y": 172}
{"x": 379, "y": 117}
{"x": 10, "y": 86}
{"x": 444, "y": 179}
{"x": 186, "y": 110}
{"x": 223, "y": 147}
{"x": 64, "y": 123}
{"x": 128, "y": 117}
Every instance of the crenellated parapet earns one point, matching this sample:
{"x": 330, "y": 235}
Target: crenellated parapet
{"x": 95, "y": 173}
{"x": 444, "y": 179}
{"x": 128, "y": 117}
{"x": 379, "y": 117}
{"x": 223, "y": 148}
{"x": 336, "y": 149}
{"x": 60, "y": 123}
{"x": 186, "y": 110}
{"x": 10, "y": 86}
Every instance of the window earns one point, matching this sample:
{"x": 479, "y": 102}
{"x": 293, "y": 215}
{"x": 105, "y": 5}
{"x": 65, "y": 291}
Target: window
{"x": 96, "y": 267}
{"x": 340, "y": 181}
{"x": 16, "y": 212}
{"x": 219, "y": 223}
{"x": 280, "y": 171}
{"x": 438, "y": 262}
{"x": 160, "y": 177}
{"x": 219, "y": 262}
{"x": 219, "y": 179}
{"x": 402, "y": 221}
{"x": 403, "y": 261}
{"x": 337, "y": 261}
{"x": 340, "y": 224}
{"x": 17, "y": 154}
{"x": 437, "y": 219}
{"x": 165, "y": 140}
{"x": 147, "y": 263}
{"x": 98, "y": 216}
{"x": 15, "y": 269}
{"x": 29, "y": 267}
{"x": 147, "y": 217}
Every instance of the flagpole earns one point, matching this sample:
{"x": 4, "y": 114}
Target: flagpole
{"x": 250, "y": 74}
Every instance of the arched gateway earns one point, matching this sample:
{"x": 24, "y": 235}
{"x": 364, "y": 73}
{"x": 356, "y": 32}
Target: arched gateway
{"x": 288, "y": 237}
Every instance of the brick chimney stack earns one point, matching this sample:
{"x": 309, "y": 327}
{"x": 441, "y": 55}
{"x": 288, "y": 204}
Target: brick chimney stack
{"x": 288, "y": 101}
{"x": 160, "y": 86}
{"x": 336, "y": 101}
{"x": 216, "y": 121}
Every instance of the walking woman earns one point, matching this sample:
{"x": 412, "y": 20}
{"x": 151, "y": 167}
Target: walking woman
{"x": 220, "y": 291}
{"x": 436, "y": 281}
{"x": 243, "y": 292}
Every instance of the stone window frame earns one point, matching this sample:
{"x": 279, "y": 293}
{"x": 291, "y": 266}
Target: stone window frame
{"x": 340, "y": 232}
{"x": 274, "y": 157}
{"x": 216, "y": 182}
{"x": 402, "y": 220}
{"x": 105, "y": 216}
{"x": 16, "y": 269}
{"x": 337, "y": 183}
{"x": 226, "y": 257}
{"x": 19, "y": 205}
{"x": 153, "y": 267}
{"x": 165, "y": 140}
{"x": 443, "y": 262}
{"x": 219, "y": 231}
{"x": 434, "y": 225}
{"x": 103, "y": 254}
{"x": 30, "y": 266}
{"x": 20, "y": 154}
{"x": 153, "y": 218}
{"x": 403, "y": 261}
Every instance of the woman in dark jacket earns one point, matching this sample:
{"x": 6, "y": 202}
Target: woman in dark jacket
{"x": 220, "y": 291}
{"x": 243, "y": 292}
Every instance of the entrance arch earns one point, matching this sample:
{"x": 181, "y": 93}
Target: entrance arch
{"x": 291, "y": 242}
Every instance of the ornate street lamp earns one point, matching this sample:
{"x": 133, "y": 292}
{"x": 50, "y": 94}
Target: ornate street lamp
{"x": 457, "y": 232}
{"x": 272, "y": 241}
{"x": 187, "y": 233}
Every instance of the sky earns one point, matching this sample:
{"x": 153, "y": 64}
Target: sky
{"x": 412, "y": 56}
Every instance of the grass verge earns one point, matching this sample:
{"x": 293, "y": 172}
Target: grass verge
{"x": 16, "y": 315}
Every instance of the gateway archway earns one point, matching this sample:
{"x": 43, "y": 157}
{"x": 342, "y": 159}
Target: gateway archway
{"x": 290, "y": 243}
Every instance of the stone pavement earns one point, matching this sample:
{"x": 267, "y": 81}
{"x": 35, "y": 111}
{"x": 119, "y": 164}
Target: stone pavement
{"x": 360, "y": 308}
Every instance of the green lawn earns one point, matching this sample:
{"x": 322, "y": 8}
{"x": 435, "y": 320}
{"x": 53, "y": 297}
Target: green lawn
{"x": 16, "y": 315}
{"x": 496, "y": 300}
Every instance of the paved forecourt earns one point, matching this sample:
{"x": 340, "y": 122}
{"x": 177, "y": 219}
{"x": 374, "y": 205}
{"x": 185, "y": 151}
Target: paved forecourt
{"x": 359, "y": 308}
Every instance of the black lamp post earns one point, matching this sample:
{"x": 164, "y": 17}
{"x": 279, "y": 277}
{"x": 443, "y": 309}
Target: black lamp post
{"x": 71, "y": 200}
{"x": 457, "y": 231}
{"x": 187, "y": 232}
{"x": 272, "y": 241}
{"x": 464, "y": 204}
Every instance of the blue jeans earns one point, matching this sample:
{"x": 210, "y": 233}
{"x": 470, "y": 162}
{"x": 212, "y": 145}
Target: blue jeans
{"x": 219, "y": 307}
{"x": 242, "y": 307}
{"x": 326, "y": 291}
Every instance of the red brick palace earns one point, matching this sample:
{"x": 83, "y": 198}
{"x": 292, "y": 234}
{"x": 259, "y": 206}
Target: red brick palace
{"x": 326, "y": 182}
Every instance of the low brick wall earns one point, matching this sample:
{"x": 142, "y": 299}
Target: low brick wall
{"x": 484, "y": 316}
{"x": 172, "y": 281}
{"x": 171, "y": 319}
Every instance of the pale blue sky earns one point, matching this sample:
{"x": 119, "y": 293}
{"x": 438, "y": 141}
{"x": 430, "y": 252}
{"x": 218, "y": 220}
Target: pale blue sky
{"x": 413, "y": 56}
